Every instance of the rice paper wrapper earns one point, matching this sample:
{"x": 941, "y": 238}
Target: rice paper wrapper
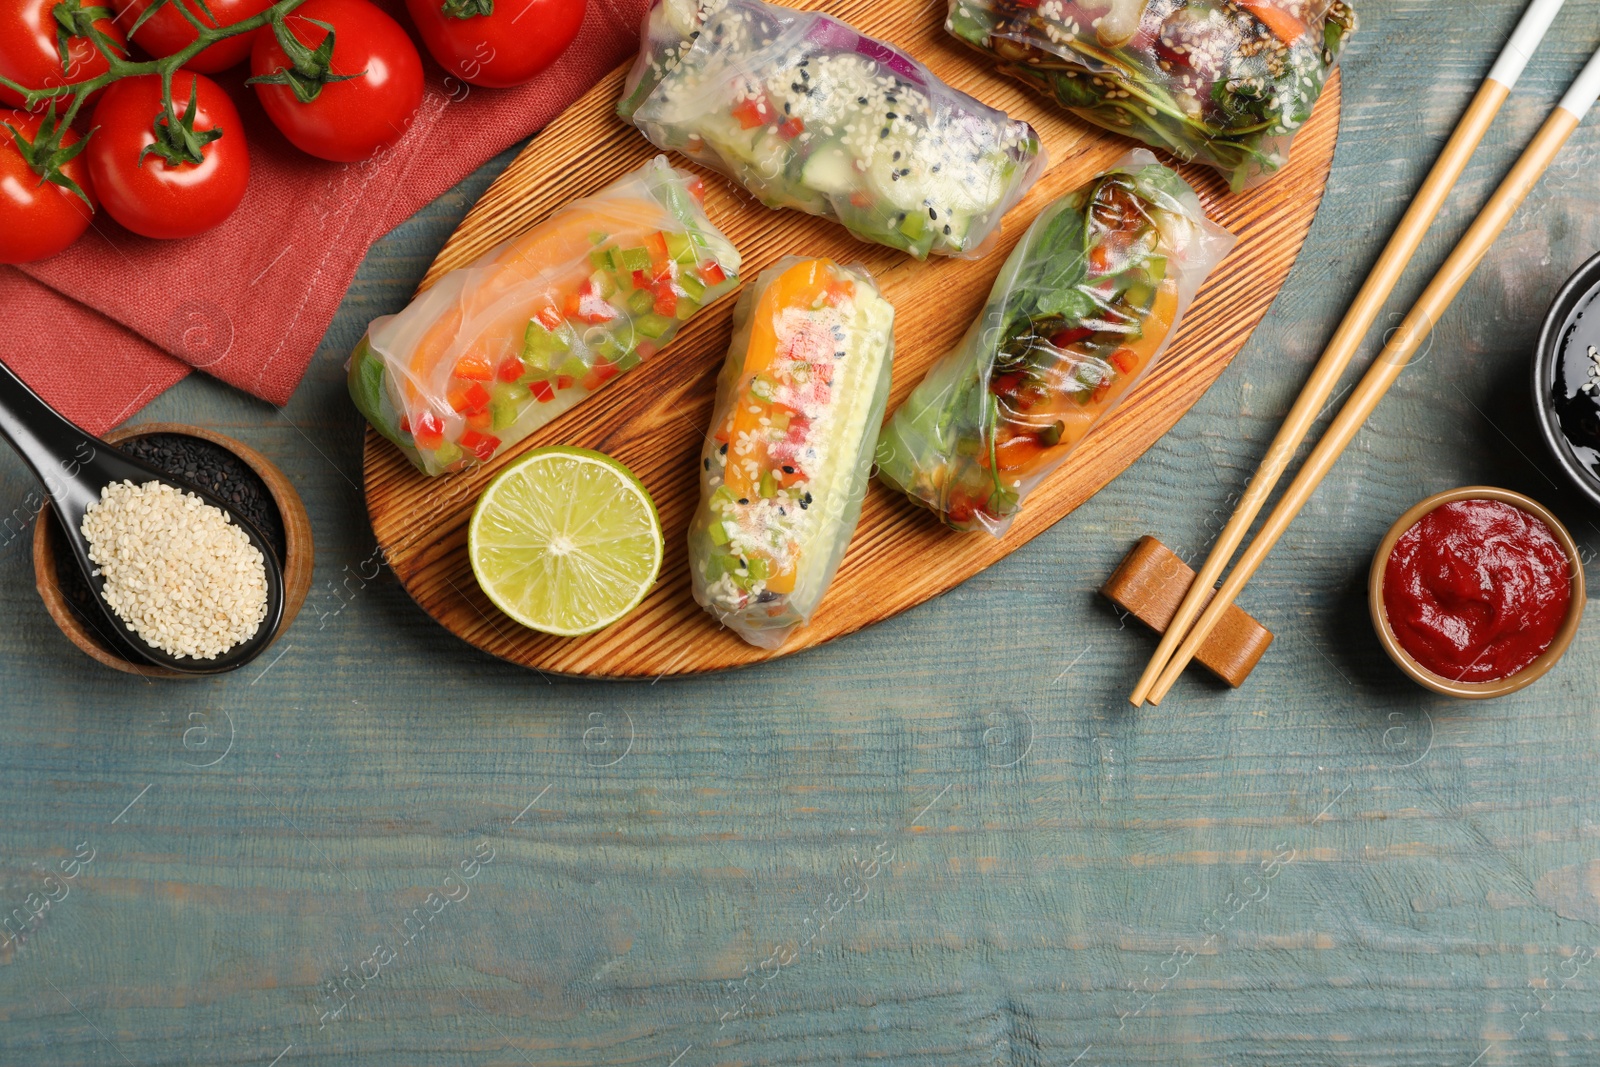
{"x": 785, "y": 466}
{"x": 497, "y": 349}
{"x": 1225, "y": 82}
{"x": 806, "y": 113}
{"x": 1085, "y": 306}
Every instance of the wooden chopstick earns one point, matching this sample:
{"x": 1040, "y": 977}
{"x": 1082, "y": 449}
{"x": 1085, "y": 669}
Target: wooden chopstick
{"x": 1386, "y": 274}
{"x": 1435, "y": 300}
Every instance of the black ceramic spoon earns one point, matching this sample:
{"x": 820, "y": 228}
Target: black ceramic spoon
{"x": 74, "y": 466}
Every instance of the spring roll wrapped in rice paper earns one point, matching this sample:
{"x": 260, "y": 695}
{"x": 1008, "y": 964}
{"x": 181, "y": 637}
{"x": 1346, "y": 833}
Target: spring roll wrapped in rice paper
{"x": 1226, "y": 82}
{"x": 785, "y": 467}
{"x": 1085, "y": 306}
{"x": 495, "y": 350}
{"x": 806, "y": 113}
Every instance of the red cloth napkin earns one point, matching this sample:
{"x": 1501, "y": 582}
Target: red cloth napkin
{"x": 105, "y": 326}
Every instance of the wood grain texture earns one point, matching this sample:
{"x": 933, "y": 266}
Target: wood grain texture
{"x": 652, "y": 419}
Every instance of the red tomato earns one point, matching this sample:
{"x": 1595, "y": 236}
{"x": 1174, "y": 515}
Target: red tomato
{"x": 349, "y": 120}
{"x": 515, "y": 42}
{"x": 28, "y": 53}
{"x": 150, "y": 196}
{"x": 38, "y": 218}
{"x": 167, "y": 30}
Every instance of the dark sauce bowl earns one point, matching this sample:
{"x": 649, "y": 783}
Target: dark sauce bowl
{"x": 1569, "y": 414}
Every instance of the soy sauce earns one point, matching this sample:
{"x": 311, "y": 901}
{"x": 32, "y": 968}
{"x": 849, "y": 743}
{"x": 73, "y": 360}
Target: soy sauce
{"x": 1575, "y": 389}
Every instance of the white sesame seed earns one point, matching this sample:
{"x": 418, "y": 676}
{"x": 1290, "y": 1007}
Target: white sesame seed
{"x": 177, "y": 571}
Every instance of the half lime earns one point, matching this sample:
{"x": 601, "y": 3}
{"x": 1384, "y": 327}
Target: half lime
{"x": 565, "y": 541}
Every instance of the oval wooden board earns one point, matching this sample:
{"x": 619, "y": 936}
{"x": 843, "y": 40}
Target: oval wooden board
{"x": 653, "y": 418}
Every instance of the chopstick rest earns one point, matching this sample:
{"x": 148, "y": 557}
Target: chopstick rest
{"x": 1151, "y": 582}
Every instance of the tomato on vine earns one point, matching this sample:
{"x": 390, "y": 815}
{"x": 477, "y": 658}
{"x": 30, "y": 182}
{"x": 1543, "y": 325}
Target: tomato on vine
{"x": 48, "y": 43}
{"x": 46, "y": 196}
{"x": 348, "y": 83}
{"x": 163, "y": 31}
{"x": 497, "y": 43}
{"x": 168, "y": 173}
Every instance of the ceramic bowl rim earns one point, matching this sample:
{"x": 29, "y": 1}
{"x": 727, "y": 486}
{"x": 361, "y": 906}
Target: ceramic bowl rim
{"x": 1585, "y": 282}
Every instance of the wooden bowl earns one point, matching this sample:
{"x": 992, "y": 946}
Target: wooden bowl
{"x": 1475, "y": 690}
{"x": 297, "y": 561}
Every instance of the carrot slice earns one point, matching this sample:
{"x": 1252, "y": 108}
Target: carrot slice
{"x": 1284, "y": 26}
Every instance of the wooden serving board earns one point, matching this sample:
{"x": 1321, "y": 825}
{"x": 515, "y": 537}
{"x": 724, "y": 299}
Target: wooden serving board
{"x": 653, "y": 418}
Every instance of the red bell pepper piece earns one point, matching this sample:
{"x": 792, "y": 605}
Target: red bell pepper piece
{"x": 753, "y": 113}
{"x": 429, "y": 433}
{"x": 512, "y": 370}
{"x": 1125, "y": 359}
{"x": 481, "y": 445}
{"x": 791, "y": 128}
{"x": 473, "y": 398}
{"x": 713, "y": 274}
{"x": 1071, "y": 336}
{"x": 549, "y": 318}
{"x": 666, "y": 300}
{"x": 541, "y": 390}
{"x": 564, "y": 381}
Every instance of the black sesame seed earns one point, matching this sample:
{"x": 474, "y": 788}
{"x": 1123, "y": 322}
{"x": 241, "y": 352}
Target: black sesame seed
{"x": 936, "y": 168}
{"x": 891, "y": 116}
{"x": 895, "y": 176}
{"x": 708, "y": 463}
{"x": 723, "y": 450}
{"x": 947, "y": 231}
{"x": 883, "y": 133}
{"x": 861, "y": 100}
{"x": 744, "y": 500}
{"x": 896, "y": 158}
{"x": 788, "y": 469}
{"x": 933, "y": 213}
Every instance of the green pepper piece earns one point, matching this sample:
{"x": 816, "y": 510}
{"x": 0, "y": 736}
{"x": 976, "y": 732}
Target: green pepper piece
{"x": 654, "y": 326}
{"x": 635, "y": 259}
{"x": 759, "y": 570}
{"x": 769, "y": 485}
{"x": 679, "y": 247}
{"x": 719, "y": 533}
{"x": 641, "y": 301}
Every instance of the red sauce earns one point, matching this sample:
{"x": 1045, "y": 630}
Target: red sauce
{"x": 1476, "y": 590}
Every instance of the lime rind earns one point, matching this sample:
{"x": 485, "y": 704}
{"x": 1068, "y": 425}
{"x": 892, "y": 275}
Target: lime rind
{"x": 565, "y": 541}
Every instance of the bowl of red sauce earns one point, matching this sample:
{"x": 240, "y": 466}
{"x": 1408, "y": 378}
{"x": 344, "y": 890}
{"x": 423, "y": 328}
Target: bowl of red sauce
{"x": 1476, "y": 592}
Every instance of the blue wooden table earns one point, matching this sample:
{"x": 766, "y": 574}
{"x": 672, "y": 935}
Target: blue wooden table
{"x": 946, "y": 841}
